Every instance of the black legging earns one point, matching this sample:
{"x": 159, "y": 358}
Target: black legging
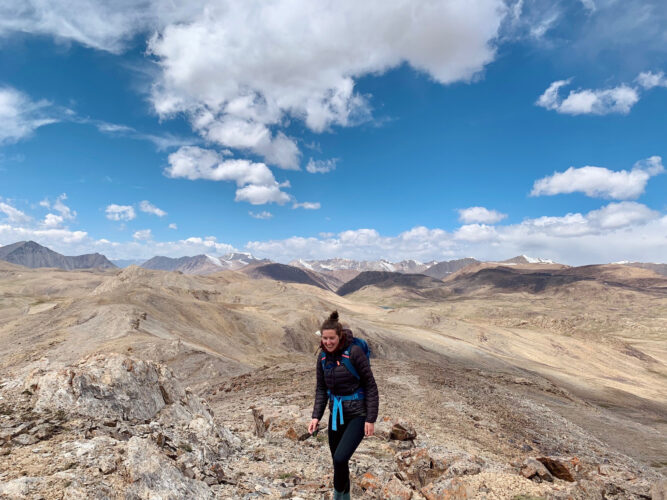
{"x": 342, "y": 444}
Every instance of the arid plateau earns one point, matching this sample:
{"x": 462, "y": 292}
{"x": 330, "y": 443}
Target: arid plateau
{"x": 497, "y": 382}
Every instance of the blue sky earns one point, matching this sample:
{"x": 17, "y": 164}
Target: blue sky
{"x": 294, "y": 129}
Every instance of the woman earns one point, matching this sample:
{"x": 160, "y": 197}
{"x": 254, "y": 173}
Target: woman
{"x": 345, "y": 379}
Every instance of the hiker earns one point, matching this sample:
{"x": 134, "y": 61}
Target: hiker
{"x": 345, "y": 379}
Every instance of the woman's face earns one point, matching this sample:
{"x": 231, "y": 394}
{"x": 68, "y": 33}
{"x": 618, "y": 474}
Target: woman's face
{"x": 330, "y": 340}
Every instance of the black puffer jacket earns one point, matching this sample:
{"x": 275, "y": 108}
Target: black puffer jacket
{"x": 341, "y": 382}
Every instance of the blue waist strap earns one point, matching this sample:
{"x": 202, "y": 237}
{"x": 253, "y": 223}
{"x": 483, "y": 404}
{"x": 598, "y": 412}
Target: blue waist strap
{"x": 338, "y": 406}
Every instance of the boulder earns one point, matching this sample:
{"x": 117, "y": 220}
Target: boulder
{"x": 152, "y": 475}
{"x": 395, "y": 490}
{"x": 106, "y": 385}
{"x": 292, "y": 434}
{"x": 447, "y": 489}
{"x": 535, "y": 470}
{"x": 465, "y": 466}
{"x": 559, "y": 467}
{"x": 659, "y": 490}
{"x": 420, "y": 466}
{"x": 402, "y": 431}
{"x": 369, "y": 482}
{"x": 18, "y": 488}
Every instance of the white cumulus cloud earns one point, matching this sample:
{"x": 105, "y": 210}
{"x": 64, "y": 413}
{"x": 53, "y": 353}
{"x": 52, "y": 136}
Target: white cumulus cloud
{"x": 64, "y": 214}
{"x": 480, "y": 214}
{"x": 255, "y": 181}
{"x": 648, "y": 79}
{"x": 617, "y": 231}
{"x": 120, "y": 212}
{"x": 142, "y": 235}
{"x": 475, "y": 233}
{"x": 52, "y": 220}
{"x": 601, "y": 182}
{"x": 173, "y": 226}
{"x": 586, "y": 101}
{"x": 241, "y": 70}
{"x": 623, "y": 214}
{"x": 149, "y": 208}
{"x": 260, "y": 195}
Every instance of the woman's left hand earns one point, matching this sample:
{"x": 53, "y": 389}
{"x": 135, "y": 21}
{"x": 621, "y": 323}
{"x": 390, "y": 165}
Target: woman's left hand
{"x": 369, "y": 429}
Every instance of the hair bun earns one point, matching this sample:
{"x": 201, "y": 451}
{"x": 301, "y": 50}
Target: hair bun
{"x": 333, "y": 317}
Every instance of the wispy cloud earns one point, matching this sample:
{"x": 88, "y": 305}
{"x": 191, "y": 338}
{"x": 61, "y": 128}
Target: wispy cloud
{"x": 321, "y": 166}
{"x": 162, "y": 142}
{"x": 307, "y": 205}
{"x": 147, "y": 207}
{"x": 261, "y": 215}
{"x": 120, "y": 212}
{"x": 14, "y": 215}
{"x": 20, "y": 116}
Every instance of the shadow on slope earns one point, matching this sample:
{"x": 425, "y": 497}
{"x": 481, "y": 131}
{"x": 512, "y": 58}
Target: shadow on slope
{"x": 385, "y": 279}
{"x": 290, "y": 274}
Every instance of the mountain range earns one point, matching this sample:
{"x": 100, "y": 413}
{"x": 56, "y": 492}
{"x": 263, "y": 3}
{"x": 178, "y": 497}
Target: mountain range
{"x": 328, "y": 273}
{"x": 202, "y": 264}
{"x": 31, "y": 254}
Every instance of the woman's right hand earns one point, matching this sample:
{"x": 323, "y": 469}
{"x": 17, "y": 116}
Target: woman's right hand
{"x": 313, "y": 425}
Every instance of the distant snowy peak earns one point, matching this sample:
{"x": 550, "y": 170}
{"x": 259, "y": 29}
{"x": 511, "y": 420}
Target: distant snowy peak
{"x": 214, "y": 260}
{"x": 237, "y": 260}
{"x": 537, "y": 260}
{"x": 239, "y": 256}
{"x": 334, "y": 265}
{"x": 385, "y": 265}
{"x": 302, "y": 264}
{"x": 524, "y": 259}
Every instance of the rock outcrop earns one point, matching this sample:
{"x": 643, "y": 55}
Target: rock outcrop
{"x": 107, "y": 426}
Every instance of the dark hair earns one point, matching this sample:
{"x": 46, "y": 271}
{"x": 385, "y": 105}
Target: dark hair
{"x": 332, "y": 324}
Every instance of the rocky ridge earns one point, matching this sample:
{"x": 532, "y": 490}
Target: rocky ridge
{"x": 111, "y": 426}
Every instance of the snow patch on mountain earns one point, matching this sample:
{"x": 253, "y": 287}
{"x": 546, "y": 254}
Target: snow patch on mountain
{"x": 537, "y": 260}
{"x": 214, "y": 260}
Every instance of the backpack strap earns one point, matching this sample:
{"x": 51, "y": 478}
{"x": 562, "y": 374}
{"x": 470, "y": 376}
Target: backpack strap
{"x": 323, "y": 360}
{"x": 348, "y": 363}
